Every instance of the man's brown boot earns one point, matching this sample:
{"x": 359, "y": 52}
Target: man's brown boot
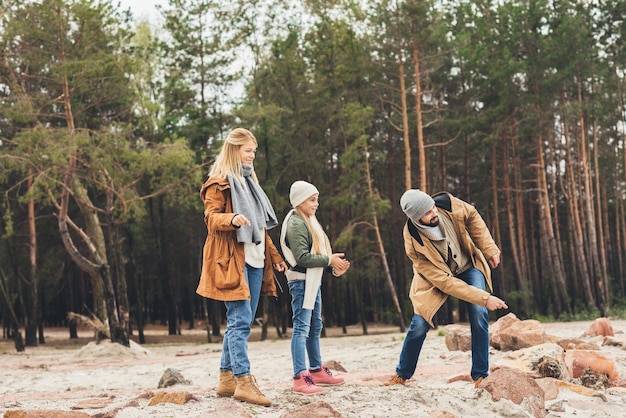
{"x": 395, "y": 380}
{"x": 227, "y": 384}
{"x": 248, "y": 391}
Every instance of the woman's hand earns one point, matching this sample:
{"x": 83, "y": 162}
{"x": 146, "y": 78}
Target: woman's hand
{"x": 239, "y": 220}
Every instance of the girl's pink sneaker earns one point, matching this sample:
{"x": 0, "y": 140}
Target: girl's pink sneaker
{"x": 305, "y": 384}
{"x": 323, "y": 376}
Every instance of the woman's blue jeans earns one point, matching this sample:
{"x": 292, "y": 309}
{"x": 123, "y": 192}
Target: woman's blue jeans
{"x": 479, "y": 326}
{"x": 307, "y": 327}
{"x": 239, "y": 317}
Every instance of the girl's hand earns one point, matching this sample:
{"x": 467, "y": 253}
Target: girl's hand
{"x": 339, "y": 272}
{"x": 338, "y": 262}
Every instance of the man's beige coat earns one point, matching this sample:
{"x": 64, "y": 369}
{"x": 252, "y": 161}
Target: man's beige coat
{"x": 432, "y": 280}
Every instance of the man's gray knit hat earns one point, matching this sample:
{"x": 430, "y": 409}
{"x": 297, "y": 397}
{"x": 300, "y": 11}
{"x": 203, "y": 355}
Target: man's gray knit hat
{"x": 415, "y": 203}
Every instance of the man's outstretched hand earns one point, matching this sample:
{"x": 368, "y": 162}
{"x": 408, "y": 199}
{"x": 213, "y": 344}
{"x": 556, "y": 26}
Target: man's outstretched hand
{"x": 494, "y": 303}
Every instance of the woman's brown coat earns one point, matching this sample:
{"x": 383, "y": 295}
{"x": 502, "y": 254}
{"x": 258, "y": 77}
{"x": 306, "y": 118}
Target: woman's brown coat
{"x": 223, "y": 258}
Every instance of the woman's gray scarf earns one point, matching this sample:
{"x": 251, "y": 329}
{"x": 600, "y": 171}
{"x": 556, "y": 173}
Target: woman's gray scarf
{"x": 250, "y": 200}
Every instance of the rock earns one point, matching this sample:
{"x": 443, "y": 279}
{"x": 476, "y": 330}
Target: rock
{"x": 550, "y": 388}
{"x": 579, "y": 360}
{"x": 172, "y": 377}
{"x": 577, "y": 344}
{"x": 522, "y": 334}
{"x": 601, "y": 326}
{"x": 442, "y": 414}
{"x": 458, "y": 338}
{"x": 335, "y": 365}
{"x": 531, "y": 359}
{"x": 93, "y": 403}
{"x": 178, "y": 398}
{"x": 517, "y": 387}
{"x": 581, "y": 390}
{"x": 501, "y": 324}
{"x": 318, "y": 409}
{"x": 615, "y": 341}
{"x": 44, "y": 414}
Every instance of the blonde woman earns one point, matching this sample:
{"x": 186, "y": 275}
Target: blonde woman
{"x": 307, "y": 249}
{"x": 238, "y": 257}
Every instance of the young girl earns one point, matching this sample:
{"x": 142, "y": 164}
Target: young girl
{"x": 307, "y": 249}
{"x": 238, "y": 257}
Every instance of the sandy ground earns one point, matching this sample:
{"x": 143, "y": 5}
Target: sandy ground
{"x": 116, "y": 381}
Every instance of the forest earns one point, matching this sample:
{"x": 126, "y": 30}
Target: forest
{"x": 108, "y": 127}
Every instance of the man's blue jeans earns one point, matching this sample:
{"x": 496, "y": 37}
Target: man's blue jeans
{"x": 239, "y": 317}
{"x": 307, "y": 327}
{"x": 479, "y": 326}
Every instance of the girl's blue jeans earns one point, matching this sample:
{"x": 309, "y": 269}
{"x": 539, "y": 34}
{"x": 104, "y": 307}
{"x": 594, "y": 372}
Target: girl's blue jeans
{"x": 307, "y": 327}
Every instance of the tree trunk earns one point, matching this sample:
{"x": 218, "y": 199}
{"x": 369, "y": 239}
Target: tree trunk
{"x": 421, "y": 153}
{"x": 32, "y": 310}
{"x": 405, "y": 121}
{"x": 620, "y": 210}
{"x": 517, "y": 248}
{"x": 594, "y": 260}
{"x": 499, "y": 285}
{"x": 381, "y": 246}
{"x": 551, "y": 258}
{"x": 114, "y": 247}
{"x": 158, "y": 226}
{"x": 15, "y": 324}
{"x": 576, "y": 220}
{"x": 136, "y": 283}
{"x": 215, "y": 310}
{"x": 600, "y": 215}
{"x": 93, "y": 235}
{"x": 209, "y": 338}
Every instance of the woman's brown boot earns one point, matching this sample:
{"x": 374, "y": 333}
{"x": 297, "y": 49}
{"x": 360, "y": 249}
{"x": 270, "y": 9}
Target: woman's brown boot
{"x": 248, "y": 391}
{"x": 227, "y": 384}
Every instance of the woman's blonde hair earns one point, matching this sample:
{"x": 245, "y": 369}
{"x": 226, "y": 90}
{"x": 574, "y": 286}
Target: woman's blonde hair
{"x": 318, "y": 245}
{"x": 228, "y": 161}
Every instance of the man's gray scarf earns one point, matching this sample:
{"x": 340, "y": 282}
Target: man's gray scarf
{"x": 250, "y": 200}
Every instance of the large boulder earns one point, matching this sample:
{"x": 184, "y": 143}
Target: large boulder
{"x": 501, "y": 324}
{"x": 517, "y": 387}
{"x": 458, "y": 338}
{"x": 601, "y": 326}
{"x": 522, "y": 334}
{"x": 578, "y": 361}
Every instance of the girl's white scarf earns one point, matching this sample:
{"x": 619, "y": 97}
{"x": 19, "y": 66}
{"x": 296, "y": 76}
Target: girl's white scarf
{"x": 313, "y": 274}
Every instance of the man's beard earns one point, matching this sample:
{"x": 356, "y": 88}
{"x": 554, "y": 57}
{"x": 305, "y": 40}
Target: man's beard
{"x": 433, "y": 222}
